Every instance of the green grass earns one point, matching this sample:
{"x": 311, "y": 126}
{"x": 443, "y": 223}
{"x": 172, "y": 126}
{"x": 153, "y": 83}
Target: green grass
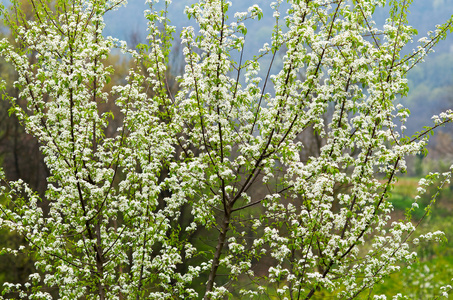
{"x": 435, "y": 266}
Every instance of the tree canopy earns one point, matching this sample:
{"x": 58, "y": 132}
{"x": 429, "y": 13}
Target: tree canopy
{"x": 233, "y": 184}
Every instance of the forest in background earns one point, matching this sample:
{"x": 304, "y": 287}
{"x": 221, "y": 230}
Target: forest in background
{"x": 431, "y": 90}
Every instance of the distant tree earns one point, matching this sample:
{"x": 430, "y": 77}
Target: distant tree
{"x": 131, "y": 215}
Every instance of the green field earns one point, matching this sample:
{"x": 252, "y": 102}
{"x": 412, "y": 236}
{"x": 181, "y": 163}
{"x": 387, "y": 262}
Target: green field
{"x": 434, "y": 268}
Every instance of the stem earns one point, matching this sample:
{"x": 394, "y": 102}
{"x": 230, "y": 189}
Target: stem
{"x": 99, "y": 258}
{"x": 218, "y": 252}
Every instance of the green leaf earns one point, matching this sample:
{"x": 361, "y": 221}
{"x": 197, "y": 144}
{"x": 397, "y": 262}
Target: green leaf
{"x": 11, "y": 110}
{"x": 260, "y": 15}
